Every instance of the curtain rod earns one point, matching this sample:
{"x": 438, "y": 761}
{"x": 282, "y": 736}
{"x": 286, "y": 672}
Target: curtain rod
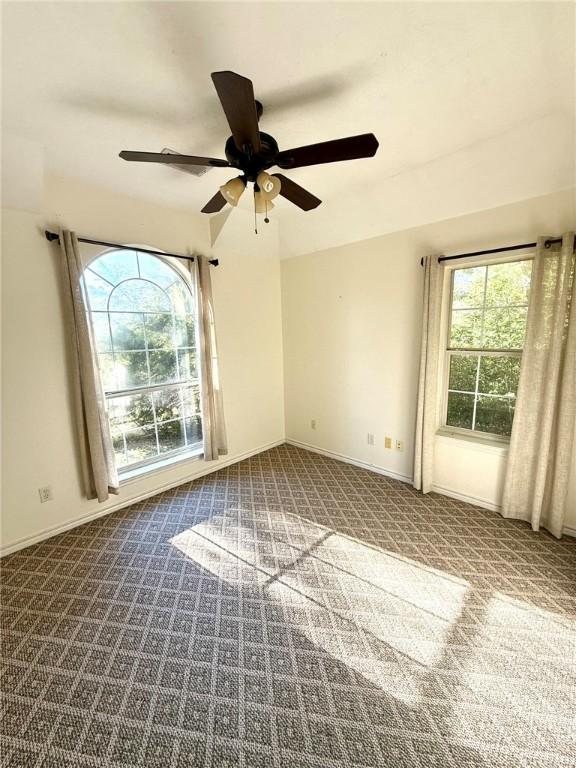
{"x": 547, "y": 244}
{"x": 51, "y": 236}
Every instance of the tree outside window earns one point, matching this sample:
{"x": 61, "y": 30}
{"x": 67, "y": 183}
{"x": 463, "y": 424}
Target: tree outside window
{"x": 143, "y": 319}
{"x": 488, "y": 312}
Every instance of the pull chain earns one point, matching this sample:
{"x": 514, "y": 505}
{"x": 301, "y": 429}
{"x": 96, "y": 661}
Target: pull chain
{"x": 255, "y": 218}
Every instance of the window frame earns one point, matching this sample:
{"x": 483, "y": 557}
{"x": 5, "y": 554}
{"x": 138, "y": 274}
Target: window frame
{"x": 195, "y": 450}
{"x": 446, "y": 352}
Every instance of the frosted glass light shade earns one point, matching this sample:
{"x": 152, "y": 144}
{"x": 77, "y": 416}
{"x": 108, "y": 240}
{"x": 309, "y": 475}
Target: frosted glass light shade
{"x": 269, "y": 185}
{"x": 261, "y": 203}
{"x": 233, "y": 190}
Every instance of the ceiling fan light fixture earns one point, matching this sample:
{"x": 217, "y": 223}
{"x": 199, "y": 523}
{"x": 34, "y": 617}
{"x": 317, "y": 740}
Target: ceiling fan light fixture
{"x": 252, "y": 152}
{"x": 233, "y": 189}
{"x": 261, "y": 203}
{"x": 268, "y": 185}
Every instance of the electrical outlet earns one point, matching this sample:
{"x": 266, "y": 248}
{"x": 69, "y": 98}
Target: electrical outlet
{"x": 399, "y": 445}
{"x": 45, "y": 493}
{"x": 370, "y": 438}
{"x": 387, "y": 442}
{"x": 312, "y": 423}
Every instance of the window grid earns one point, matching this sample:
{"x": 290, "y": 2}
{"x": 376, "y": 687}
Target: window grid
{"x": 186, "y": 389}
{"x": 478, "y": 352}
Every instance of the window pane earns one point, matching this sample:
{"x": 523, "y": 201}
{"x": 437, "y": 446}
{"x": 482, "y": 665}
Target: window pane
{"x": 118, "y": 445}
{"x": 489, "y": 310}
{"x": 168, "y": 404}
{"x": 131, "y": 411}
{"x": 107, "y": 372}
{"x": 504, "y": 328}
{"x": 181, "y": 298}
{"x": 98, "y": 290}
{"x": 466, "y": 328}
{"x": 140, "y": 444}
{"x": 468, "y": 287}
{"x": 115, "y": 266}
{"x": 194, "y": 430}
{"x": 162, "y": 367}
{"x": 508, "y": 283}
{"x": 191, "y": 401}
{"x": 143, "y": 315}
{"x": 184, "y": 327}
{"x": 101, "y": 331}
{"x": 460, "y": 410}
{"x": 171, "y": 436}
{"x": 140, "y": 295}
{"x": 187, "y": 363}
{"x": 156, "y": 270}
{"x": 463, "y": 369}
{"x": 499, "y": 375}
{"x": 131, "y": 369}
{"x": 127, "y": 331}
{"x": 495, "y": 414}
{"x": 160, "y": 331}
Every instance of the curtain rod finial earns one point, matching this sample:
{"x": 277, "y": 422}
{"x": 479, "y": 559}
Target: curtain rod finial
{"x": 50, "y": 236}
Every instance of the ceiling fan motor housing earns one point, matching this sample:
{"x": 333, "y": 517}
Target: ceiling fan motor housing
{"x": 252, "y": 164}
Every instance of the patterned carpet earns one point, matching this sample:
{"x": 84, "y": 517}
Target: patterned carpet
{"x": 293, "y": 611}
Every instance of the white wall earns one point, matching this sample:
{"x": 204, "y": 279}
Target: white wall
{"x": 351, "y": 338}
{"x": 351, "y": 319}
{"x": 38, "y": 432}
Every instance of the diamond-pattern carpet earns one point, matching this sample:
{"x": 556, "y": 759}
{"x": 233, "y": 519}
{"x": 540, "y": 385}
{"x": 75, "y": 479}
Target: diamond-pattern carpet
{"x": 291, "y": 610}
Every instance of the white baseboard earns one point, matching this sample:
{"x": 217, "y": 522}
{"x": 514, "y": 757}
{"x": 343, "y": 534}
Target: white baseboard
{"x": 47, "y": 533}
{"x": 349, "y": 460}
{"x": 486, "y": 504}
{"x": 478, "y": 501}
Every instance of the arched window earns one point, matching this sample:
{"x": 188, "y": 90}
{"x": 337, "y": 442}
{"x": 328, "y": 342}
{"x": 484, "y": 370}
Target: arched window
{"x": 143, "y": 316}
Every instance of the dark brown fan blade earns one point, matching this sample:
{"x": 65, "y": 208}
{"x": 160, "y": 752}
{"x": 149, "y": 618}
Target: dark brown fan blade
{"x": 297, "y": 194}
{"x": 236, "y": 95}
{"x": 215, "y": 203}
{"x": 350, "y": 148}
{"x": 164, "y": 157}
{"x": 191, "y": 170}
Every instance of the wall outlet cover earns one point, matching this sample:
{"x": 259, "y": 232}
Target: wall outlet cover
{"x": 45, "y": 494}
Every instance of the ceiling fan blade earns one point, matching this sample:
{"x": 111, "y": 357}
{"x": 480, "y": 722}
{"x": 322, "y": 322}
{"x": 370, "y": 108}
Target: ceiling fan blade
{"x": 351, "y": 148}
{"x": 236, "y": 94}
{"x": 192, "y": 170}
{"x": 297, "y": 194}
{"x": 215, "y": 203}
{"x": 173, "y": 159}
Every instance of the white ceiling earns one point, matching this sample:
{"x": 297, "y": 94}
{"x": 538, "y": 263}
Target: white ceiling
{"x": 473, "y": 103}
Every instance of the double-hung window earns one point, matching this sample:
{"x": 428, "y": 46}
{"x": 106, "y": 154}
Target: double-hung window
{"x": 143, "y": 318}
{"x": 486, "y": 328}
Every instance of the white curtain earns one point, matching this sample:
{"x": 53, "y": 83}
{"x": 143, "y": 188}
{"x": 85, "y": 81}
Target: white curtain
{"x": 98, "y": 466}
{"x": 213, "y": 426}
{"x": 541, "y": 442}
{"x": 426, "y": 413}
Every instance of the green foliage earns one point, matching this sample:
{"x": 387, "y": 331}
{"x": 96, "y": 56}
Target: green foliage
{"x": 489, "y": 306}
{"x": 142, "y": 316}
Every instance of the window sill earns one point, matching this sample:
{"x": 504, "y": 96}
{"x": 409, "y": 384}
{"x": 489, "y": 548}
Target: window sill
{"x": 478, "y": 442}
{"x": 130, "y": 475}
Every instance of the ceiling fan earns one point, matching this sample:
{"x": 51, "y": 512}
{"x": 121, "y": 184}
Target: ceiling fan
{"x": 253, "y": 153}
